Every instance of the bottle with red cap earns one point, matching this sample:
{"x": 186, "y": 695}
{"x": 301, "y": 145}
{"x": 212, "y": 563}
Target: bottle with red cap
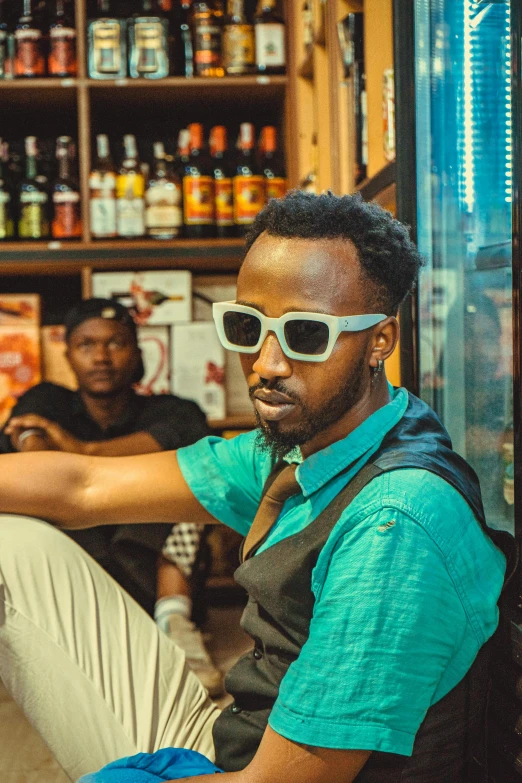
{"x": 272, "y": 164}
{"x": 198, "y": 188}
{"x": 249, "y": 186}
{"x": 223, "y": 191}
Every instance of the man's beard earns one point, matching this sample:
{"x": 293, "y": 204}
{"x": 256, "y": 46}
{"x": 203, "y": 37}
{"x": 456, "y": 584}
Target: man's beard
{"x": 280, "y": 442}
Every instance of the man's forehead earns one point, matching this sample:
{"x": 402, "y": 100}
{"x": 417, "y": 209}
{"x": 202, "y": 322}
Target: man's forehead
{"x": 99, "y": 326}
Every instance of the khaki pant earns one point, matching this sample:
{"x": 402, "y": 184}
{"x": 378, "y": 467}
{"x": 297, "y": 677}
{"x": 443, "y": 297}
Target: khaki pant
{"x": 87, "y": 665}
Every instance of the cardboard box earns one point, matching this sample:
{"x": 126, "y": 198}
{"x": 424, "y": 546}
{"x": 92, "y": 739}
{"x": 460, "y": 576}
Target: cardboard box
{"x": 55, "y": 367}
{"x": 198, "y": 367}
{"x": 19, "y": 310}
{"x": 156, "y": 298}
{"x": 155, "y": 350}
{"x": 19, "y": 364}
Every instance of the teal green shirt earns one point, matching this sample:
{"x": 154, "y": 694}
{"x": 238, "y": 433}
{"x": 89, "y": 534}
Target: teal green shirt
{"x": 405, "y": 588}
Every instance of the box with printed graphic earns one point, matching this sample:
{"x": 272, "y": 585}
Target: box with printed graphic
{"x": 155, "y": 298}
{"x": 155, "y": 351}
{"x": 19, "y": 310}
{"x": 19, "y": 364}
{"x": 55, "y": 367}
{"x": 198, "y": 367}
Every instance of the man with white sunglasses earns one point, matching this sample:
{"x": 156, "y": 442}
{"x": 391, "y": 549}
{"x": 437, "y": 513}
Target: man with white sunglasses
{"x": 373, "y": 580}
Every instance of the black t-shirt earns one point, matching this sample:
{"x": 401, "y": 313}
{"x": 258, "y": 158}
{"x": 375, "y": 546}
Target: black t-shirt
{"x": 172, "y": 421}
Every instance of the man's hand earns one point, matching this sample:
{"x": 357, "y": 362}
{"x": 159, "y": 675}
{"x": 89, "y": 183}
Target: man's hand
{"x": 52, "y": 438}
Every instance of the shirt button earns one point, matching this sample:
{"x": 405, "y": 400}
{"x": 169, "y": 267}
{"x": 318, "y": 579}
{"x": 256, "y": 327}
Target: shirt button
{"x": 235, "y": 709}
{"x": 257, "y": 654}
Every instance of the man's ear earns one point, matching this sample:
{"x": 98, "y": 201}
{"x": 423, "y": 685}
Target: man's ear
{"x": 384, "y": 341}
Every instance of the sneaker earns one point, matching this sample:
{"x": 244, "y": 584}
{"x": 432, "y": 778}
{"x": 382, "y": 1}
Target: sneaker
{"x": 189, "y": 638}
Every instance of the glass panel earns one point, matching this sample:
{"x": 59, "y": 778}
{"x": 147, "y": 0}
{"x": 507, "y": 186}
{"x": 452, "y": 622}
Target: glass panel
{"x": 462, "y": 62}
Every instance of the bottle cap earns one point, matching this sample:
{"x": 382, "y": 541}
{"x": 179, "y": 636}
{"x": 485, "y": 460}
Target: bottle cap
{"x": 218, "y": 139}
{"x": 196, "y": 135}
{"x": 246, "y": 135}
{"x": 159, "y": 150}
{"x": 30, "y": 145}
{"x": 184, "y": 141}
{"x": 268, "y": 142}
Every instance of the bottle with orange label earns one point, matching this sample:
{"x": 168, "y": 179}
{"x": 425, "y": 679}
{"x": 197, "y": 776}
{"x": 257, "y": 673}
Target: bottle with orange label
{"x": 29, "y": 61}
{"x": 222, "y": 170}
{"x": 248, "y": 185}
{"x": 198, "y": 188}
{"x": 272, "y": 165}
{"x": 67, "y": 219}
{"x": 62, "y": 59}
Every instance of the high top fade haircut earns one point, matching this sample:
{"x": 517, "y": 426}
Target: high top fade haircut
{"x": 389, "y": 260}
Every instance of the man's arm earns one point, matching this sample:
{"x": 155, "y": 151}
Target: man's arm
{"x": 75, "y": 491}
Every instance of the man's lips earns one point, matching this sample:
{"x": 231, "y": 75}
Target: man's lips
{"x": 273, "y": 406}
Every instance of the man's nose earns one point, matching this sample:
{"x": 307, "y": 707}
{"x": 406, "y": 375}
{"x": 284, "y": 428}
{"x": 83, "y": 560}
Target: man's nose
{"x": 271, "y": 361}
{"x": 102, "y": 354}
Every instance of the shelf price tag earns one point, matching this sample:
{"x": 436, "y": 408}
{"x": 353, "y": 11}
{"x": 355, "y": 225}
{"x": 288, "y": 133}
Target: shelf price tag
{"x": 263, "y": 79}
{"x": 67, "y": 82}
{"x": 54, "y": 245}
{"x": 121, "y": 82}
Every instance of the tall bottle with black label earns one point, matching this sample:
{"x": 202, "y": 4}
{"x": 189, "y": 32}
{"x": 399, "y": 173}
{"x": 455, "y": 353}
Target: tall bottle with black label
{"x": 198, "y": 188}
{"x": 207, "y": 36}
{"x": 62, "y": 59}
{"x": 29, "y": 61}
{"x": 33, "y": 213}
{"x": 6, "y": 196}
{"x": 270, "y": 38}
{"x": 272, "y": 164}
{"x": 223, "y": 191}
{"x": 249, "y": 185}
{"x": 102, "y": 187}
{"x": 163, "y": 213}
{"x": 149, "y": 43}
{"x": 238, "y": 41}
{"x": 130, "y": 191}
{"x": 67, "y": 218}
{"x": 107, "y": 57}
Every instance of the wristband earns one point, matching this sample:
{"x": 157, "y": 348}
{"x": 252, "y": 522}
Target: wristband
{"x": 27, "y": 434}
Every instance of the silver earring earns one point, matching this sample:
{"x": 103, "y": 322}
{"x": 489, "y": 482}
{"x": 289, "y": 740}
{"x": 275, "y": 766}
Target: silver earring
{"x": 380, "y": 367}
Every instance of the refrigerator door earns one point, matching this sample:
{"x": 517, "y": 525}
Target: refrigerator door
{"x": 464, "y": 185}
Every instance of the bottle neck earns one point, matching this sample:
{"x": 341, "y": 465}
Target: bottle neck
{"x": 31, "y": 167}
{"x": 60, "y": 9}
{"x": 235, "y": 11}
{"x": 63, "y": 166}
{"x": 27, "y": 8}
{"x": 102, "y": 149}
{"x": 104, "y": 7}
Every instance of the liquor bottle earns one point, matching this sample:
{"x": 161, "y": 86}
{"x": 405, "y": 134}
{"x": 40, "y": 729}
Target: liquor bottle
{"x": 198, "y": 189}
{"x": 270, "y": 38}
{"x": 249, "y": 185}
{"x": 33, "y": 219}
{"x": 163, "y": 213}
{"x": 62, "y": 43}
{"x": 67, "y": 218}
{"x": 4, "y": 37}
{"x": 102, "y": 186}
{"x": 29, "y": 52}
{"x": 355, "y": 24}
{"x": 183, "y": 153}
{"x": 223, "y": 192}
{"x": 130, "y": 190}
{"x": 272, "y": 166}
{"x": 238, "y": 41}
{"x": 6, "y": 201}
{"x": 148, "y": 43}
{"x": 182, "y": 51}
{"x": 107, "y": 58}
{"x": 207, "y": 33}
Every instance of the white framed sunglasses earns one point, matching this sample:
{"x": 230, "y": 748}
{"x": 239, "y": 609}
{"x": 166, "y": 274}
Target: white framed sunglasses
{"x": 308, "y": 337}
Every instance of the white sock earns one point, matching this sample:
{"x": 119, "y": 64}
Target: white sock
{"x": 172, "y": 604}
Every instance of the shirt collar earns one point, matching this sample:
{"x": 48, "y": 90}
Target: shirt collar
{"x": 315, "y": 471}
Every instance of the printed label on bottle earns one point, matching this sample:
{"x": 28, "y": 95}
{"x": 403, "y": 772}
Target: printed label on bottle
{"x": 238, "y": 47}
{"x": 224, "y": 202}
{"x": 275, "y": 187}
{"x": 130, "y": 217}
{"x": 106, "y": 44}
{"x": 131, "y": 185}
{"x": 4, "y": 197}
{"x": 66, "y": 198}
{"x": 67, "y": 222}
{"x": 33, "y": 197}
{"x": 6, "y": 223}
{"x": 148, "y": 37}
{"x": 249, "y": 198}
{"x": 33, "y": 223}
{"x": 3, "y": 52}
{"x": 208, "y": 45}
{"x": 29, "y": 60}
{"x": 103, "y": 217}
{"x": 163, "y": 207}
{"x": 270, "y": 45}
{"x": 198, "y": 206}
{"x": 106, "y": 182}
{"x": 62, "y": 54}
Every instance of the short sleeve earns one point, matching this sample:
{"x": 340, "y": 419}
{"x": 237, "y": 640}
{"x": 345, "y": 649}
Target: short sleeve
{"x": 172, "y": 422}
{"x": 387, "y": 624}
{"x": 227, "y": 477}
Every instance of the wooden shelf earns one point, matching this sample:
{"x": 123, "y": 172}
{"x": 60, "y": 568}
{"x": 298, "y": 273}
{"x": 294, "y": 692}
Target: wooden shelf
{"x": 40, "y": 84}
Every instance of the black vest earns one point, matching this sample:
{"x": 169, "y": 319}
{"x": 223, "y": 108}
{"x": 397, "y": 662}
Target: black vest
{"x": 280, "y": 607}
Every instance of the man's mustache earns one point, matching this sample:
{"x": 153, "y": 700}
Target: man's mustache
{"x": 276, "y": 387}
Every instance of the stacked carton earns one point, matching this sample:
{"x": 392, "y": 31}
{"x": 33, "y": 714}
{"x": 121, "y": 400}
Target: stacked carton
{"x": 19, "y": 348}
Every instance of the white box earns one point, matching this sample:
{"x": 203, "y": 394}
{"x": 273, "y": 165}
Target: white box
{"x": 156, "y": 298}
{"x": 56, "y": 368}
{"x": 198, "y": 367}
{"x": 155, "y": 351}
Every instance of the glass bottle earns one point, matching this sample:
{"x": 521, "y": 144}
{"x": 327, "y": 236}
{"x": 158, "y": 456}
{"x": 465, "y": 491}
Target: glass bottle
{"x": 182, "y": 51}
{"x": 29, "y": 51}
{"x": 6, "y": 197}
{"x": 67, "y": 218}
{"x": 223, "y": 192}
{"x": 102, "y": 187}
{"x": 198, "y": 188}
{"x": 130, "y": 190}
{"x": 249, "y": 185}
{"x": 207, "y": 35}
{"x": 62, "y": 59}
{"x": 148, "y": 43}
{"x": 33, "y": 220}
{"x": 4, "y": 37}
{"x": 107, "y": 55}
{"x": 272, "y": 165}
{"x": 270, "y": 38}
{"x": 163, "y": 213}
{"x": 239, "y": 56}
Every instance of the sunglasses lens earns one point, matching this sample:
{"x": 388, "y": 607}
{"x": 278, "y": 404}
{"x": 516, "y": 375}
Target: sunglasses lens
{"x": 308, "y": 337}
{"x": 242, "y": 329}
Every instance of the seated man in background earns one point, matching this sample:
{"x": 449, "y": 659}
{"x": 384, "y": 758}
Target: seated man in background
{"x": 105, "y": 417}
